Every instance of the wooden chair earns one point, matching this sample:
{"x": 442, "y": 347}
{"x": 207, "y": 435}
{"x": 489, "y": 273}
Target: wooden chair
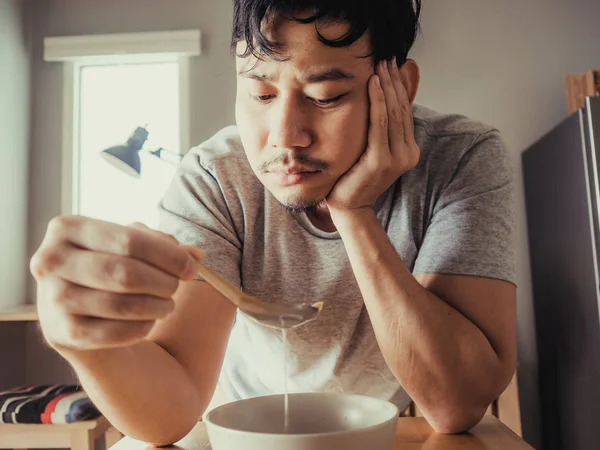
{"x": 76, "y": 436}
{"x": 506, "y": 408}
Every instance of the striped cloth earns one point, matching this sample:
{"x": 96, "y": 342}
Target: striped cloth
{"x": 48, "y": 404}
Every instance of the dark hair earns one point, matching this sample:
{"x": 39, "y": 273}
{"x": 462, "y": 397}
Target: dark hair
{"x": 392, "y": 24}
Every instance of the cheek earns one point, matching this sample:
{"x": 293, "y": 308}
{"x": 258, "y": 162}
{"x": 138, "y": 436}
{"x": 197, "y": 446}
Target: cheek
{"x": 346, "y": 135}
{"x": 251, "y": 130}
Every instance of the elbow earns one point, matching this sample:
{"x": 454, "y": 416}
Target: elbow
{"x": 169, "y": 434}
{"x": 169, "y": 439}
{"x": 456, "y": 422}
{"x": 179, "y": 428}
{"x": 161, "y": 444}
{"x": 460, "y": 414}
{"x": 455, "y": 417}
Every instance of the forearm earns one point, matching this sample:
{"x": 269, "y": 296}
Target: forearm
{"x": 142, "y": 390}
{"x": 443, "y": 361}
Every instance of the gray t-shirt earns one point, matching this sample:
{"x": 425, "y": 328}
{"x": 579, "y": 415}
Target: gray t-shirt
{"x": 451, "y": 214}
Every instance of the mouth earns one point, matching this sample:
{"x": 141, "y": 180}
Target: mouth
{"x": 288, "y": 176}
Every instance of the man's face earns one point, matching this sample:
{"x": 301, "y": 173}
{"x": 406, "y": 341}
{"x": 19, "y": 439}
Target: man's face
{"x": 303, "y": 121}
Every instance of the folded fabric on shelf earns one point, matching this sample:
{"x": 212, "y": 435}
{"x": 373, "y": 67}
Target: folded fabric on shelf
{"x": 47, "y": 404}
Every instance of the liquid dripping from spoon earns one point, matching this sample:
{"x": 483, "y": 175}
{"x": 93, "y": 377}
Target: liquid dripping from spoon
{"x": 286, "y": 405}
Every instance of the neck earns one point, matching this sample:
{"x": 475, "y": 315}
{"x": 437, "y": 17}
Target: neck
{"x": 321, "y": 218}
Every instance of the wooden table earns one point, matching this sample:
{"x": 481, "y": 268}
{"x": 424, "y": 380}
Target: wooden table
{"x": 412, "y": 434}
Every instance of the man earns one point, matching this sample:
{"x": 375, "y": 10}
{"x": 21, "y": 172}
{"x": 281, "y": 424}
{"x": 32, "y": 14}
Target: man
{"x": 397, "y": 217}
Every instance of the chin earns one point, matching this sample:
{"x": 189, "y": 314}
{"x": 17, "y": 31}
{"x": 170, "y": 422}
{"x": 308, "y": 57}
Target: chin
{"x": 304, "y": 206}
{"x": 297, "y": 203}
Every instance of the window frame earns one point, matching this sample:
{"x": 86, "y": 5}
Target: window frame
{"x": 75, "y": 52}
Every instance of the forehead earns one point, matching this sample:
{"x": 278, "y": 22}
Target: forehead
{"x": 298, "y": 44}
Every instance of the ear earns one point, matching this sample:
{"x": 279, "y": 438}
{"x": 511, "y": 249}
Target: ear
{"x": 411, "y": 75}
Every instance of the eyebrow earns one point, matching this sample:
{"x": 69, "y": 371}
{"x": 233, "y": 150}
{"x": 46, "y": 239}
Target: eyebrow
{"x": 333, "y": 74}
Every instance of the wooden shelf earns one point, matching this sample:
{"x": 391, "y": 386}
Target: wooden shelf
{"x": 25, "y": 313}
{"x": 77, "y": 435}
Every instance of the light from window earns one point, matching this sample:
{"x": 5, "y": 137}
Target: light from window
{"x": 114, "y": 100}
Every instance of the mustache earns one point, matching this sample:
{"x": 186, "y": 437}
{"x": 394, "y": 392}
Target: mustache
{"x": 295, "y": 159}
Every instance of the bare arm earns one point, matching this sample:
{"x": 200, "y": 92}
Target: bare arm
{"x": 156, "y": 390}
{"x": 146, "y": 344}
{"x": 449, "y": 340}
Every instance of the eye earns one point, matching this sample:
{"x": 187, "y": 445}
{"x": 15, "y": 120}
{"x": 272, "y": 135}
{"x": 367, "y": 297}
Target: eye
{"x": 263, "y": 98}
{"x": 328, "y": 101}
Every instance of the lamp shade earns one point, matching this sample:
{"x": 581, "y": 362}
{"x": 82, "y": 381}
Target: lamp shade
{"x": 126, "y": 157}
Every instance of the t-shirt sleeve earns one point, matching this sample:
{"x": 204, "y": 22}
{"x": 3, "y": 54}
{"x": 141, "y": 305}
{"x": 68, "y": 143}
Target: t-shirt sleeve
{"x": 471, "y": 231}
{"x": 194, "y": 210}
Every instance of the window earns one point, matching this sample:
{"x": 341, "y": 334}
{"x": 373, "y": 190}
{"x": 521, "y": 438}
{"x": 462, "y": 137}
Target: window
{"x": 113, "y": 101}
{"x": 114, "y": 84}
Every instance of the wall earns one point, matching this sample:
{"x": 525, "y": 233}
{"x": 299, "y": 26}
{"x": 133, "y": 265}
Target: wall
{"x": 212, "y": 97}
{"x": 12, "y": 353}
{"x": 14, "y": 132}
{"x": 504, "y": 62}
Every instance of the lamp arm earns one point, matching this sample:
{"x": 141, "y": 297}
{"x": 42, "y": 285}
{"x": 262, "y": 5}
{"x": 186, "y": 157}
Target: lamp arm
{"x": 173, "y": 158}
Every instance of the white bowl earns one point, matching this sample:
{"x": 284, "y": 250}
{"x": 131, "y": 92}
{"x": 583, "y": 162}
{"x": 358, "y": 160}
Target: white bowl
{"x": 317, "y": 421}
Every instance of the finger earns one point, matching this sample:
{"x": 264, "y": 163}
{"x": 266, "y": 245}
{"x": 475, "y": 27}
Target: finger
{"x": 110, "y": 272}
{"x": 100, "y": 236}
{"x": 378, "y": 126}
{"x": 78, "y": 300}
{"x": 143, "y": 227}
{"x": 91, "y": 333}
{"x": 405, "y": 110}
{"x": 395, "y": 132}
{"x": 194, "y": 252}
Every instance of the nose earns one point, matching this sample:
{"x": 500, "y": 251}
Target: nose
{"x": 289, "y": 124}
